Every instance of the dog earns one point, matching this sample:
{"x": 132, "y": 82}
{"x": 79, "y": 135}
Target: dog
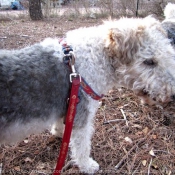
{"x": 34, "y": 81}
{"x": 169, "y": 23}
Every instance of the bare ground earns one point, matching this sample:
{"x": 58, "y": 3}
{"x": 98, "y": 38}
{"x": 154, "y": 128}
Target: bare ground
{"x": 143, "y": 144}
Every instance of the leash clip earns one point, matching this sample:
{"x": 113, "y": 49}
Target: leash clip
{"x": 71, "y": 63}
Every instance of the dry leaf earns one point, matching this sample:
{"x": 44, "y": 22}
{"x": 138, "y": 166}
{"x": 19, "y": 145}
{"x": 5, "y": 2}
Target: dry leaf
{"x": 28, "y": 159}
{"x": 152, "y": 153}
{"x": 128, "y": 140}
{"x": 154, "y": 166}
{"x": 169, "y": 173}
{"x": 154, "y": 136}
{"x": 17, "y": 168}
{"x": 137, "y": 126}
{"x": 144, "y": 162}
{"x": 41, "y": 165}
{"x": 51, "y": 139}
{"x": 36, "y": 152}
{"x": 139, "y": 133}
{"x": 145, "y": 130}
{"x": 26, "y": 141}
{"x": 111, "y": 91}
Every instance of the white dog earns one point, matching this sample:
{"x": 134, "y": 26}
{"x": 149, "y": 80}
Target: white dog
{"x": 34, "y": 81}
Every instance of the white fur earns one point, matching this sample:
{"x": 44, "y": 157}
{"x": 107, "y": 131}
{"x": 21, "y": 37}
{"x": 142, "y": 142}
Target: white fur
{"x": 169, "y": 11}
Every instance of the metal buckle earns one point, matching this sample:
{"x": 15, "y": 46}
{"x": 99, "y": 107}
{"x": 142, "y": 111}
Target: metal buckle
{"x": 74, "y": 75}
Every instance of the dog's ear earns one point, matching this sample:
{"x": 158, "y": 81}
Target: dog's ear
{"x": 123, "y": 44}
{"x": 127, "y": 35}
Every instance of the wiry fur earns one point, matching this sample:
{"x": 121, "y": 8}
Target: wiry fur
{"x": 169, "y": 11}
{"x": 169, "y": 22}
{"x": 34, "y": 83}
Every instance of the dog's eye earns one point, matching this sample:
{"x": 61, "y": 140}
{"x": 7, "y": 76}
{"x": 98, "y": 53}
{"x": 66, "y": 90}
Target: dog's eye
{"x": 149, "y": 62}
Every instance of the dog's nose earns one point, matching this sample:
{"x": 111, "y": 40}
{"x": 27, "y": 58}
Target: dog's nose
{"x": 173, "y": 97}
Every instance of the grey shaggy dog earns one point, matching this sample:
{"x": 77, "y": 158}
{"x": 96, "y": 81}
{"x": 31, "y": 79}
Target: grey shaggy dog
{"x": 34, "y": 82}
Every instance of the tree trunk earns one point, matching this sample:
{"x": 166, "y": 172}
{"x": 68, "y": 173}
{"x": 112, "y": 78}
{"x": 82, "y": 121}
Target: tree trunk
{"x": 35, "y": 10}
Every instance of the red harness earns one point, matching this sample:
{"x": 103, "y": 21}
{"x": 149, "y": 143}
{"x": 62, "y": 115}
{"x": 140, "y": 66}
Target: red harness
{"x": 77, "y": 82}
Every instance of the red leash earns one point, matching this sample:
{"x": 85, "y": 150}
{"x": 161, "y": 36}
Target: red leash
{"x": 69, "y": 124}
{"x": 76, "y": 81}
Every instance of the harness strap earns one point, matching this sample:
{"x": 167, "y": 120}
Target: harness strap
{"x": 69, "y": 124}
{"x": 89, "y": 90}
{"x": 83, "y": 84}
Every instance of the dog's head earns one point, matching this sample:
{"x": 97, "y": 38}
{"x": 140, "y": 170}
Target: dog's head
{"x": 143, "y": 58}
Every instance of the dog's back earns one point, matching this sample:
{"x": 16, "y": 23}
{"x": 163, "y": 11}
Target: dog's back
{"x": 33, "y": 89}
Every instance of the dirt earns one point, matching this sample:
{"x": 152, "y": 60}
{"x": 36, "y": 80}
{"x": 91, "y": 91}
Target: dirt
{"x": 144, "y": 143}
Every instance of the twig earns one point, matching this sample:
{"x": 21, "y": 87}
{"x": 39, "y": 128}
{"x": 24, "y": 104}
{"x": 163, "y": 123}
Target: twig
{"x": 3, "y": 37}
{"x": 68, "y": 164}
{"x": 149, "y": 166}
{"x": 25, "y": 36}
{"x": 124, "y": 116}
{"x": 115, "y": 120}
{"x": 136, "y": 170}
{"x": 125, "y": 157}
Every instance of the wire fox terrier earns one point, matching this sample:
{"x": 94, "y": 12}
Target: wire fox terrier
{"x": 34, "y": 81}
